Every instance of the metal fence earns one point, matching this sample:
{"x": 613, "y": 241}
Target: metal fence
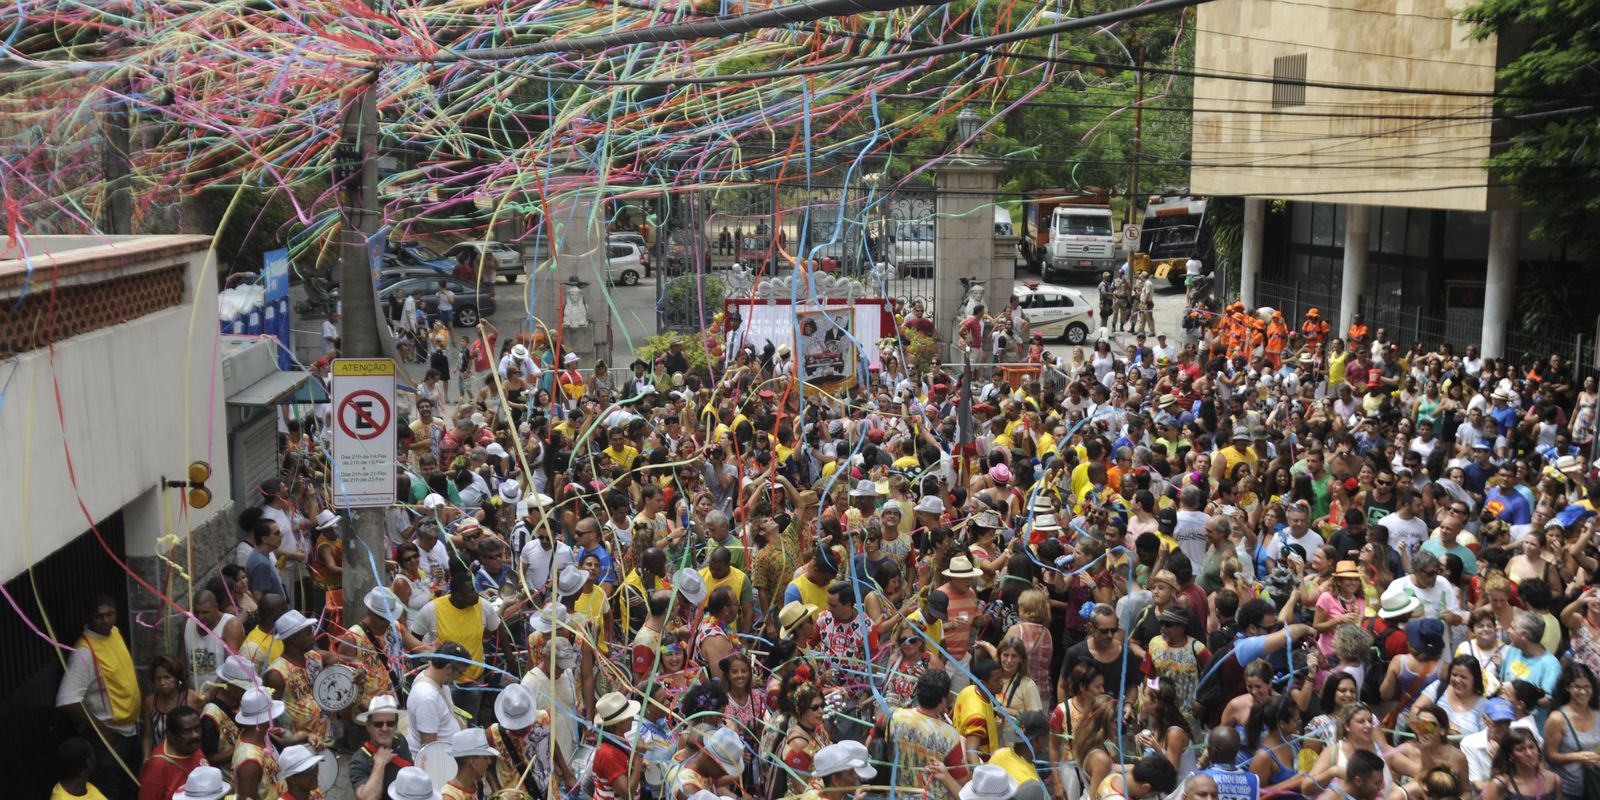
{"x": 1405, "y": 325}
{"x": 846, "y": 230}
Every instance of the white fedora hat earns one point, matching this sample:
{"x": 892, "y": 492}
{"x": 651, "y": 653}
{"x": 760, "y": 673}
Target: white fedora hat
{"x": 865, "y": 488}
{"x": 839, "y": 757}
{"x": 258, "y": 707}
{"x": 237, "y": 671}
{"x": 411, "y": 783}
{"x": 327, "y": 519}
{"x": 930, "y": 505}
{"x": 382, "y": 704}
{"x": 296, "y": 759}
{"x": 291, "y": 623}
{"x": 514, "y": 708}
{"x": 691, "y": 584}
{"x": 727, "y": 749}
{"x": 469, "y": 742}
{"x": 989, "y": 782}
{"x": 571, "y": 580}
{"x": 385, "y": 603}
{"x": 510, "y": 492}
{"x": 549, "y": 618}
{"x": 204, "y": 783}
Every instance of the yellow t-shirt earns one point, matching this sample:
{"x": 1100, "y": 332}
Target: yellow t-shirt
{"x": 934, "y": 632}
{"x": 974, "y": 714}
{"x": 1231, "y": 457}
{"x": 906, "y": 462}
{"x": 625, "y": 456}
{"x": 262, "y": 648}
{"x": 1336, "y": 362}
{"x": 1020, "y": 769}
{"x": 463, "y": 626}
{"x": 1080, "y": 477}
{"x": 1047, "y": 445}
{"x": 815, "y": 594}
{"x": 90, "y": 793}
{"x": 592, "y": 605}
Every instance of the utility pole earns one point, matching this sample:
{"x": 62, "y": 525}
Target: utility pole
{"x": 116, "y": 211}
{"x": 361, "y": 334}
{"x": 1138, "y": 135}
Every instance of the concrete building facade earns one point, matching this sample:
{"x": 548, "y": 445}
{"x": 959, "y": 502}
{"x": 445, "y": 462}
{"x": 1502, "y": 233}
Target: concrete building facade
{"x": 109, "y": 385}
{"x": 1373, "y": 123}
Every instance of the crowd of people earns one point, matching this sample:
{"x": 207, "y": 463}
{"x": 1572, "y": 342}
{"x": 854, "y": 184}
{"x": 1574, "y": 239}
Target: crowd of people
{"x": 1329, "y": 568}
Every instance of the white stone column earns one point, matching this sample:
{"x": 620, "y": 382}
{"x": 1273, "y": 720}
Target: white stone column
{"x": 1255, "y": 213}
{"x": 964, "y": 242}
{"x": 1499, "y": 282}
{"x": 1354, "y": 281}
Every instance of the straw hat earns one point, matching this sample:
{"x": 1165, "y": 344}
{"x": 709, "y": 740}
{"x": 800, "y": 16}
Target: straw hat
{"x": 793, "y": 614}
{"x": 962, "y": 567}
{"x": 614, "y": 708}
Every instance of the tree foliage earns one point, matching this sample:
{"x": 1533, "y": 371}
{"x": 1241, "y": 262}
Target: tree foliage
{"x": 1553, "y": 157}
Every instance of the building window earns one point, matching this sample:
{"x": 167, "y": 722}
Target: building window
{"x": 1289, "y": 81}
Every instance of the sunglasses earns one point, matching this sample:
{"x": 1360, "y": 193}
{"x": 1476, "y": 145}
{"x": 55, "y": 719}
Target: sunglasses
{"x": 814, "y": 707}
{"x": 410, "y": 558}
{"x": 384, "y": 724}
{"x": 1106, "y": 631}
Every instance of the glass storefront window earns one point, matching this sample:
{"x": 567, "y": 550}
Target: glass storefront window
{"x": 1322, "y": 225}
{"x": 1300, "y": 225}
{"x": 1419, "y": 234}
{"x": 1394, "y": 230}
{"x": 1466, "y": 235}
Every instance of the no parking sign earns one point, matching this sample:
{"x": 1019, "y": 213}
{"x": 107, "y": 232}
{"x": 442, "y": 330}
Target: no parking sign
{"x": 364, "y": 419}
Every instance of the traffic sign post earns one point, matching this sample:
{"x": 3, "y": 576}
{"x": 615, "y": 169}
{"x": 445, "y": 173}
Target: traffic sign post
{"x": 1130, "y": 237}
{"x": 364, "y": 421}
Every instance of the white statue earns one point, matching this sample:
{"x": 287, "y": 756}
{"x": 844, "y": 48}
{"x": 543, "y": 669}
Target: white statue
{"x": 574, "y": 313}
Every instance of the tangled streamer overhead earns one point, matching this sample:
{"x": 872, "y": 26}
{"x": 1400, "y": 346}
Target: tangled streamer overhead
{"x": 221, "y": 95}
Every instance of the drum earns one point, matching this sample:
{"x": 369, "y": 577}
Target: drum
{"x": 434, "y": 758}
{"x": 327, "y": 771}
{"x": 335, "y": 688}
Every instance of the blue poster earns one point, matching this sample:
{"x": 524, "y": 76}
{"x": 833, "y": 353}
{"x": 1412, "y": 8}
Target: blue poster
{"x": 275, "y": 308}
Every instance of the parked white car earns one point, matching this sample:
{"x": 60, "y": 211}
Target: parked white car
{"x": 507, "y": 259}
{"x": 1055, "y": 312}
{"x": 624, "y": 263}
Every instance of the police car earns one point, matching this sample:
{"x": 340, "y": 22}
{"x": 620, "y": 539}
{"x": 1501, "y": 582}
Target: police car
{"x": 1055, "y": 312}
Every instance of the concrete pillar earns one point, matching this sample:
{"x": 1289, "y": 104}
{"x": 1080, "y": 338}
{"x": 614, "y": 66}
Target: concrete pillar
{"x": 1499, "y": 282}
{"x": 1255, "y": 214}
{"x": 964, "y": 241}
{"x": 1354, "y": 281}
{"x": 580, "y": 252}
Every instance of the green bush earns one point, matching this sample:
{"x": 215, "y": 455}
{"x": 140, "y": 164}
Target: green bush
{"x": 682, "y": 299}
{"x": 694, "y": 349}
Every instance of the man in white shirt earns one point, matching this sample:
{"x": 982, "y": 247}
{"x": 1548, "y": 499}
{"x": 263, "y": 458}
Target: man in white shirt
{"x": 1439, "y": 599}
{"x": 408, "y": 313}
{"x": 1407, "y": 531}
{"x": 1472, "y": 364}
{"x": 1191, "y": 528}
{"x": 330, "y": 332}
{"x": 433, "y": 558}
{"x": 1164, "y": 349}
{"x": 1480, "y": 747}
{"x": 1299, "y": 533}
{"x": 522, "y": 360}
{"x": 430, "y": 707}
{"x": 539, "y": 559}
{"x": 83, "y": 692}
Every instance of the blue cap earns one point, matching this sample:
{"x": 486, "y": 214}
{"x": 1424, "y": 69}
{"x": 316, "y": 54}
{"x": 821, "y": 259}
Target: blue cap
{"x": 1482, "y": 444}
{"x": 1498, "y": 709}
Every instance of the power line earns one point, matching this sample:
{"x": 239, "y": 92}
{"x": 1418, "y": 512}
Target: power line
{"x": 934, "y": 49}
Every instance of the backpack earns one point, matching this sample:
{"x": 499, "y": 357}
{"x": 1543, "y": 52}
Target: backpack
{"x": 1377, "y": 664}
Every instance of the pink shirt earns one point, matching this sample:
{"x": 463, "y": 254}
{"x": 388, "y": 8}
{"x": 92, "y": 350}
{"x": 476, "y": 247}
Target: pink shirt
{"x": 1334, "y": 607}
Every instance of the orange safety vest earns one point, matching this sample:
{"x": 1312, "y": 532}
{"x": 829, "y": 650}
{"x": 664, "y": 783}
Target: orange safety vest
{"x": 1356, "y": 333}
{"x": 1277, "y": 332}
{"x": 1314, "y": 331}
